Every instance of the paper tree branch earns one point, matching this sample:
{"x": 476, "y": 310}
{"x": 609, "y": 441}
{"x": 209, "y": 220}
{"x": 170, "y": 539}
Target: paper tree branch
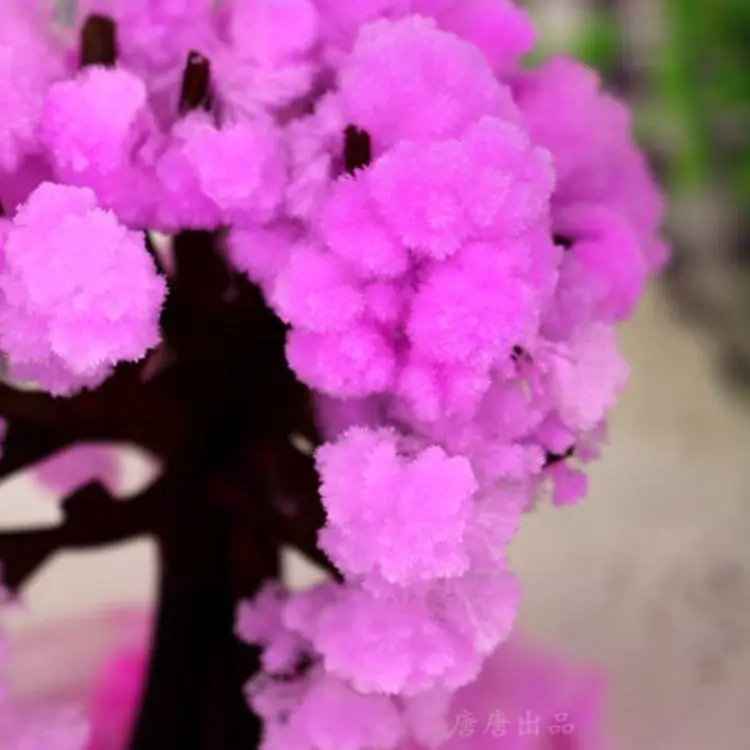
{"x": 91, "y": 518}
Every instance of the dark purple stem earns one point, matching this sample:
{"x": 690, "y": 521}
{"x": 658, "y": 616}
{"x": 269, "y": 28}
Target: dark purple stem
{"x": 357, "y": 149}
{"x": 98, "y": 44}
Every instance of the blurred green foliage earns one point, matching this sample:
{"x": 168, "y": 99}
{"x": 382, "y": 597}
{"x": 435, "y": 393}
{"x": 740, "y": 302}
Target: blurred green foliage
{"x": 698, "y": 84}
{"x": 686, "y": 71}
{"x": 704, "y": 78}
{"x": 598, "y": 43}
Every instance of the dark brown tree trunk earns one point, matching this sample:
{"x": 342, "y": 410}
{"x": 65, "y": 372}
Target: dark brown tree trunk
{"x": 193, "y": 696}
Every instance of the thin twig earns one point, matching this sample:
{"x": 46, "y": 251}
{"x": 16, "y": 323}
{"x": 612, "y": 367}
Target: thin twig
{"x": 92, "y": 518}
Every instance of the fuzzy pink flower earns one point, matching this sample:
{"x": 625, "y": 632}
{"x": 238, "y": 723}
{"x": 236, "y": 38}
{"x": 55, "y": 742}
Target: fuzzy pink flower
{"x": 595, "y": 157}
{"x": 379, "y": 518}
{"x": 91, "y": 144}
{"x": 586, "y": 377}
{"x": 29, "y": 62}
{"x": 352, "y": 230}
{"x": 313, "y": 290}
{"x": 436, "y": 197}
{"x": 80, "y": 292}
{"x": 272, "y": 32}
{"x": 560, "y": 702}
{"x": 502, "y": 30}
{"x": 476, "y": 307}
{"x": 351, "y": 364}
{"x": 155, "y": 34}
{"x": 448, "y": 76}
{"x": 212, "y": 176}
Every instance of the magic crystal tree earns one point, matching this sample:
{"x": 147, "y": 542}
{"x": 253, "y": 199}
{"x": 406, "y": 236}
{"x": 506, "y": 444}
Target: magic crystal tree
{"x": 382, "y": 325}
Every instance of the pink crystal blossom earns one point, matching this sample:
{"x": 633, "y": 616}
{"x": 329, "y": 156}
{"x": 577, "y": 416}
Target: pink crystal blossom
{"x": 29, "y": 62}
{"x": 430, "y": 60}
{"x": 596, "y": 159}
{"x": 273, "y": 32}
{"x": 464, "y": 284}
{"x": 213, "y": 176}
{"x": 91, "y": 144}
{"x": 80, "y": 292}
{"x": 323, "y": 711}
{"x": 460, "y": 286}
{"x": 154, "y": 35}
{"x": 500, "y": 29}
{"x": 370, "y": 493}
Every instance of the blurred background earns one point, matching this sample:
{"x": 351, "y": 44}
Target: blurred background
{"x": 650, "y": 578}
{"x": 684, "y": 66}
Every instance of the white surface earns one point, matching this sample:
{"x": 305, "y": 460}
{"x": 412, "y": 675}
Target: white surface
{"x": 651, "y": 576}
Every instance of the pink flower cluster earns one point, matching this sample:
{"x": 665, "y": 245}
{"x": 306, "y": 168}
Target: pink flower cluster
{"x": 452, "y": 239}
{"x": 453, "y": 297}
{"x": 522, "y": 699}
{"x": 525, "y": 699}
{"x": 79, "y": 291}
